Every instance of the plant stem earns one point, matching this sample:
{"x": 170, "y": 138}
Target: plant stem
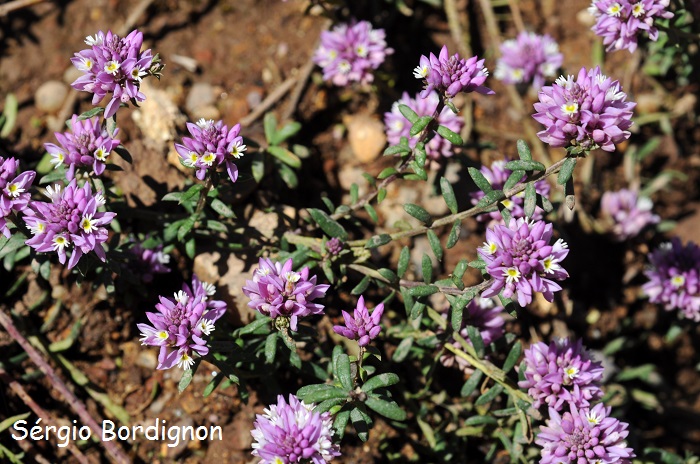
{"x": 202, "y": 198}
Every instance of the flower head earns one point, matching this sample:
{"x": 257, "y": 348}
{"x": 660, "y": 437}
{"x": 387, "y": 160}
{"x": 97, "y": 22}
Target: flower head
{"x": 589, "y": 112}
{"x": 113, "y": 65}
{"x": 521, "y": 261}
{"x": 529, "y": 59}
{"x": 350, "y": 52}
{"x": 334, "y": 246}
{"x": 483, "y": 314}
{"x": 86, "y": 145}
{"x": 145, "y": 262}
{"x": 14, "y": 190}
{"x": 674, "y": 278}
{"x": 621, "y": 22}
{"x": 291, "y": 432}
{"x": 398, "y": 126}
{"x": 497, "y": 175}
{"x": 627, "y": 213}
{"x": 71, "y": 222}
{"x": 277, "y": 291}
{"x": 211, "y": 145}
{"x": 584, "y": 436}
{"x": 449, "y": 75}
{"x": 560, "y": 373}
{"x": 361, "y": 326}
{"x": 180, "y": 325}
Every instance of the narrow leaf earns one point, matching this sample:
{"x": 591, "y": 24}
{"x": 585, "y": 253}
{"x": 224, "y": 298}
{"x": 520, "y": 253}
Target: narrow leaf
{"x": 450, "y": 136}
{"x": 419, "y": 125}
{"x": 471, "y": 383}
{"x": 489, "y": 396}
{"x": 390, "y": 410}
{"x": 408, "y": 113}
{"x": 402, "y": 350}
{"x": 477, "y": 341}
{"x": 522, "y": 165}
{"x": 378, "y": 240}
{"x": 404, "y": 258}
{"x": 327, "y": 224}
{"x": 418, "y": 212}
{"x": 480, "y": 181}
{"x": 513, "y": 356}
{"x": 567, "y": 170}
{"x": 423, "y": 290}
{"x": 380, "y": 381}
{"x": 523, "y": 150}
{"x": 435, "y": 244}
{"x": 284, "y": 155}
{"x": 395, "y": 150}
{"x": 530, "y": 200}
{"x": 427, "y": 269}
{"x": 448, "y": 194}
{"x": 221, "y": 208}
{"x": 453, "y": 238}
{"x": 513, "y": 179}
{"x": 386, "y": 172}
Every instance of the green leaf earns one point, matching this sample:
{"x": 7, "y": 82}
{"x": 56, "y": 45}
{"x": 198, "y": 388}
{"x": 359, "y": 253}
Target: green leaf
{"x": 402, "y": 350}
{"x": 288, "y": 130}
{"x": 386, "y": 172}
{"x": 471, "y": 384}
{"x": 513, "y": 179}
{"x": 221, "y": 208}
{"x": 89, "y": 114}
{"x": 427, "y": 269}
{"x": 329, "y": 204}
{"x": 185, "y": 228}
{"x": 211, "y": 386}
{"x": 489, "y": 396}
{"x": 4, "y": 425}
{"x": 530, "y": 200}
{"x": 544, "y": 203}
{"x": 372, "y": 213}
{"x": 567, "y": 170}
{"x": 9, "y": 113}
{"x": 288, "y": 175}
{"x": 124, "y": 154}
{"x": 285, "y": 156}
{"x": 14, "y": 243}
{"x": 362, "y": 286}
{"x": 408, "y": 113}
{"x": 450, "y": 136}
{"x": 271, "y": 347}
{"x": 390, "y": 410}
{"x": 477, "y": 341}
{"x": 216, "y": 226}
{"x": 404, "y": 258}
{"x": 381, "y": 194}
{"x": 361, "y": 421}
{"x": 190, "y": 193}
{"x": 513, "y": 356}
{"x": 448, "y": 194}
{"x": 419, "y": 213}
{"x": 435, "y": 244}
{"x": 173, "y": 196}
{"x": 257, "y": 167}
{"x": 354, "y": 193}
{"x": 341, "y": 367}
{"x": 191, "y": 248}
{"x": 320, "y": 392}
{"x": 453, "y": 238}
{"x": 270, "y": 125}
{"x": 327, "y": 224}
{"x": 523, "y": 150}
{"x": 380, "y": 381}
{"x": 395, "y": 150}
{"x": 523, "y": 165}
{"x": 460, "y": 269}
{"x": 53, "y": 176}
{"x": 419, "y": 125}
{"x": 423, "y": 290}
{"x": 491, "y": 198}
{"x": 480, "y": 181}
{"x": 340, "y": 422}
{"x": 389, "y": 275}
{"x": 254, "y": 326}
{"x": 457, "y": 316}
{"x": 378, "y": 240}
{"x": 186, "y": 378}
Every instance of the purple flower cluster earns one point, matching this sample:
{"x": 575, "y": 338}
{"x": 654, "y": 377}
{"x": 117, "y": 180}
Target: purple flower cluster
{"x": 620, "y": 22}
{"x": 584, "y": 436}
{"x": 398, "y": 126}
{"x": 483, "y": 314}
{"x": 212, "y": 144}
{"x": 278, "y": 291}
{"x": 146, "y": 262}
{"x": 450, "y": 75}
{"x": 361, "y": 326}
{"x": 113, "y": 65}
{"x": 181, "y": 324}
{"x": 561, "y": 372}
{"x": 86, "y": 145}
{"x": 530, "y": 58}
{"x": 497, "y": 175}
{"x": 521, "y": 261}
{"x": 350, "y": 52}
{"x": 627, "y": 213}
{"x": 13, "y": 190}
{"x": 334, "y": 246}
{"x": 674, "y": 278}
{"x": 70, "y": 222}
{"x": 291, "y": 432}
{"x": 589, "y": 112}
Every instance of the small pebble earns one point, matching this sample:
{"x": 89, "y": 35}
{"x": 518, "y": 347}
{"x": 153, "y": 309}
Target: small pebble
{"x": 201, "y": 95}
{"x": 49, "y": 97}
{"x": 71, "y": 74}
{"x": 366, "y": 137}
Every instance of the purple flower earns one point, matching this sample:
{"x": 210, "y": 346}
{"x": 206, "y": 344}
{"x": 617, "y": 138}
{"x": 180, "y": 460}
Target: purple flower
{"x": 621, "y": 22}
{"x": 361, "y": 326}
{"x": 674, "y": 278}
{"x": 590, "y": 112}
{"x": 211, "y": 145}
{"x": 146, "y": 262}
{"x": 584, "y": 436}
{"x": 334, "y": 246}
{"x": 293, "y": 432}
{"x": 497, "y": 175}
{"x": 277, "y": 291}
{"x": 560, "y": 373}
{"x": 520, "y": 260}
{"x": 398, "y": 126}
{"x": 113, "y": 65}
{"x": 86, "y": 145}
{"x": 71, "y": 222}
{"x": 627, "y": 213}
{"x": 449, "y": 75}
{"x": 529, "y": 59}
{"x": 13, "y": 190}
{"x": 483, "y": 314}
{"x": 181, "y": 324}
{"x": 350, "y": 52}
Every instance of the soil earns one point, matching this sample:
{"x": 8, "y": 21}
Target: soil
{"x": 244, "y": 50}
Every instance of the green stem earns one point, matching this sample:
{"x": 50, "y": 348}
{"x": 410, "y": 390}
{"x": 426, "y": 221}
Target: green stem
{"x": 202, "y": 198}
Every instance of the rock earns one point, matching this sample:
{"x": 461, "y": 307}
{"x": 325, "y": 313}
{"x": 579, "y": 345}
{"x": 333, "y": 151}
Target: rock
{"x": 585, "y": 18}
{"x": 648, "y": 102}
{"x": 201, "y": 95}
{"x": 147, "y": 359}
{"x": 205, "y": 112}
{"x": 157, "y": 117}
{"x": 366, "y": 137}
{"x": 71, "y": 74}
{"x": 49, "y": 97}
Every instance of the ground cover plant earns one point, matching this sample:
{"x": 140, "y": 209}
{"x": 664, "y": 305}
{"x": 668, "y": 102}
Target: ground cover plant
{"x": 324, "y": 231}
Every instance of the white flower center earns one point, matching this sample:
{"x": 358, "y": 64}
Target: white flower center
{"x": 512, "y": 274}
{"x": 569, "y": 108}
{"x": 638, "y": 10}
{"x": 678, "y": 281}
{"x": 615, "y": 9}
{"x": 87, "y": 225}
{"x": 111, "y": 67}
